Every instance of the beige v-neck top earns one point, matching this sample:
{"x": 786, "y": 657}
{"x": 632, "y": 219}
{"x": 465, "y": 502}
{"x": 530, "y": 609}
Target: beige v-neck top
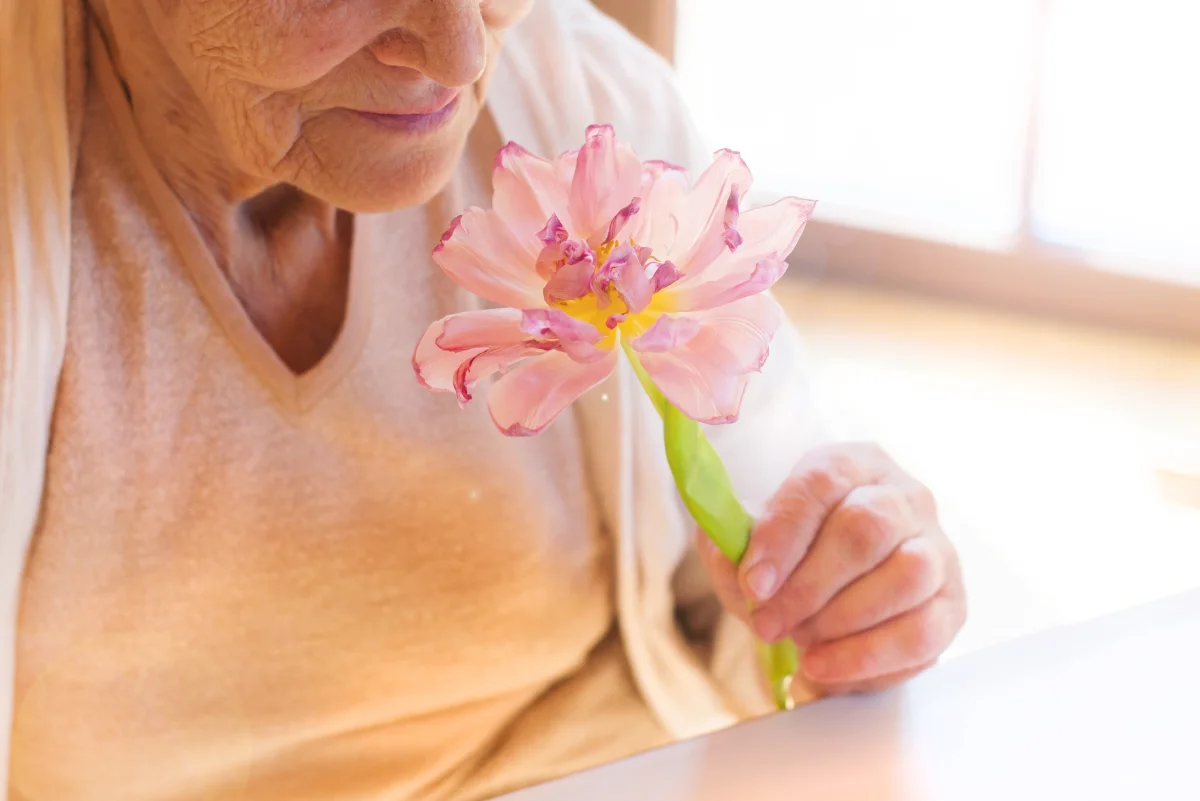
{"x": 247, "y": 585}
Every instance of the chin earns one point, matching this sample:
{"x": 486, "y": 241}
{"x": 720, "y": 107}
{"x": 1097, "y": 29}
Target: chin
{"x": 369, "y": 171}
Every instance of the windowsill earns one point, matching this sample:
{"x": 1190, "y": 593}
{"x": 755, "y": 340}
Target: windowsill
{"x": 1052, "y": 283}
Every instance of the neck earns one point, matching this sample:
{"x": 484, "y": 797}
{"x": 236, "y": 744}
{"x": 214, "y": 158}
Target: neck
{"x": 284, "y": 253}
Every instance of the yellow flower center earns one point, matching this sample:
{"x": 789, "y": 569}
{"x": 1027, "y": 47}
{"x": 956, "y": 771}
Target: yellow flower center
{"x": 589, "y": 311}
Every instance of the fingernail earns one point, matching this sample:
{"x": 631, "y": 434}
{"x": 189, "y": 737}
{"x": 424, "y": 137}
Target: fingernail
{"x": 767, "y": 625}
{"x": 761, "y": 581}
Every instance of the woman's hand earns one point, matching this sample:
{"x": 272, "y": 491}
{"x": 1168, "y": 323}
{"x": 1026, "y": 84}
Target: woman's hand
{"x": 851, "y": 562}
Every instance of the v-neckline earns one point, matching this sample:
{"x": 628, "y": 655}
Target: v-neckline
{"x": 295, "y": 392}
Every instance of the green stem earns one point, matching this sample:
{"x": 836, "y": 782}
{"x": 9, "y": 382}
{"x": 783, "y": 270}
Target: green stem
{"x": 707, "y": 492}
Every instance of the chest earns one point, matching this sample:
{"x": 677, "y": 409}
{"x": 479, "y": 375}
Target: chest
{"x": 219, "y": 553}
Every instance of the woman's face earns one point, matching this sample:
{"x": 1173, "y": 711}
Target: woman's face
{"x": 363, "y": 103}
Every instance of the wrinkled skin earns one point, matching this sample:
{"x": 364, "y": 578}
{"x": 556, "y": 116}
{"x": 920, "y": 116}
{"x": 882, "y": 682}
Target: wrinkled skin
{"x": 268, "y": 85}
{"x": 248, "y": 108}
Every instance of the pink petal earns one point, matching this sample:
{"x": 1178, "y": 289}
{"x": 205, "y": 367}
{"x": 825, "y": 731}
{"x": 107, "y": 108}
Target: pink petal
{"x": 706, "y": 374}
{"x": 528, "y": 399}
{"x": 574, "y": 337}
{"x": 555, "y": 233}
{"x": 480, "y": 329}
{"x": 573, "y": 279}
{"x": 607, "y": 177}
{"x": 626, "y": 273}
{"x": 526, "y": 191}
{"x": 480, "y": 254}
{"x": 664, "y": 188}
{"x": 708, "y": 397}
{"x": 667, "y": 333}
{"x": 709, "y": 212}
{"x": 457, "y": 351}
{"x": 733, "y": 211}
{"x": 666, "y": 275}
{"x": 711, "y": 294}
{"x": 769, "y": 234}
{"x": 484, "y": 364}
{"x": 621, "y": 219}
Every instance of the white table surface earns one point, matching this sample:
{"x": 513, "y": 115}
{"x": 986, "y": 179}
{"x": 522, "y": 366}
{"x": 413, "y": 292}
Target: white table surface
{"x": 1101, "y": 711}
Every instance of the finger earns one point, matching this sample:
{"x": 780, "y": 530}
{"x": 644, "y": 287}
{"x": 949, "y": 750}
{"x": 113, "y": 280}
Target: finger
{"x": 913, "y": 573}
{"x": 724, "y": 576}
{"x": 858, "y": 535}
{"x": 900, "y": 644}
{"x": 875, "y": 685}
{"x": 795, "y": 514}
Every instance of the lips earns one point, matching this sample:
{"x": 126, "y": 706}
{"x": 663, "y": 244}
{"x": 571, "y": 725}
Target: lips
{"x": 442, "y": 99}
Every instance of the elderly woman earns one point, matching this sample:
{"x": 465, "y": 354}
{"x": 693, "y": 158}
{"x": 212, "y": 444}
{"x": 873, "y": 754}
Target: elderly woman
{"x": 244, "y": 552}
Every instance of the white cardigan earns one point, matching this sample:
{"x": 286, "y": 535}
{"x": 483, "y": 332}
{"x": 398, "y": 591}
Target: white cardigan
{"x": 565, "y": 67}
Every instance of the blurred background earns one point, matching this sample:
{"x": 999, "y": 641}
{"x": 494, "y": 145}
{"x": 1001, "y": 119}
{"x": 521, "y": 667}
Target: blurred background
{"x": 1002, "y": 280}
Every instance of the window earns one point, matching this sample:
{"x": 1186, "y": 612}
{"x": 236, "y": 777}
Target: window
{"x": 1050, "y": 128}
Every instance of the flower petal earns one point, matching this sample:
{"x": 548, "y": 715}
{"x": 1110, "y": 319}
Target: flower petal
{"x": 526, "y": 191}
{"x": 488, "y": 328}
{"x": 667, "y": 333}
{"x": 480, "y": 254}
{"x": 622, "y": 219}
{"x": 706, "y": 374}
{"x": 608, "y": 176}
{"x": 664, "y": 188}
{"x": 573, "y": 279}
{"x": 769, "y": 234}
{"x": 665, "y": 275}
{"x": 708, "y": 212}
{"x": 457, "y": 351}
{"x": 574, "y": 337}
{"x": 711, "y": 294}
{"x": 528, "y": 399}
{"x": 625, "y": 272}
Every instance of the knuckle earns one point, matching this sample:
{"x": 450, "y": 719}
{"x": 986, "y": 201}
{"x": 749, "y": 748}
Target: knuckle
{"x": 923, "y": 502}
{"x": 818, "y": 484}
{"x": 859, "y": 661}
{"x": 924, "y": 638}
{"x": 864, "y": 532}
{"x": 798, "y": 601}
{"x": 829, "y": 468}
{"x": 873, "y": 452}
{"x": 807, "y": 494}
{"x": 920, "y": 572}
{"x": 887, "y": 501}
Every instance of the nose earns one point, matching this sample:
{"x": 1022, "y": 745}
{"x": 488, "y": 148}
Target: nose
{"x": 446, "y": 40}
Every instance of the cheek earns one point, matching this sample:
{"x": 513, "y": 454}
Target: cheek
{"x": 504, "y": 13}
{"x": 279, "y": 45}
{"x": 257, "y": 128}
{"x": 360, "y": 167}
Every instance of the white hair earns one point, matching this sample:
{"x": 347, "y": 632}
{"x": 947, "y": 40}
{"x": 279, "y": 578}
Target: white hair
{"x": 38, "y": 76}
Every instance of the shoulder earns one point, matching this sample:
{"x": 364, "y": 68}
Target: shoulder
{"x": 568, "y": 66}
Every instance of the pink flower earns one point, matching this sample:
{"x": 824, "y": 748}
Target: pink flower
{"x": 595, "y": 246}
